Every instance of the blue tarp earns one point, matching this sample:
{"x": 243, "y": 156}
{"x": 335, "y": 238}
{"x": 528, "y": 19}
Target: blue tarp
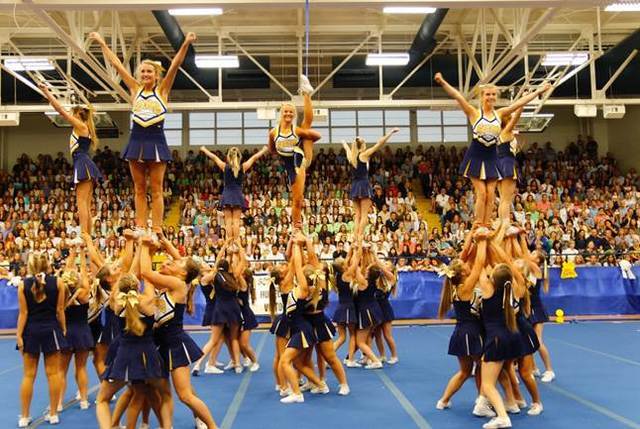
{"x": 596, "y": 291}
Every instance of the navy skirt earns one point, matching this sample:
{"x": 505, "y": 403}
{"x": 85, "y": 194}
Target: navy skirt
{"x": 176, "y": 349}
{"x": 345, "y": 314}
{"x": 281, "y": 326}
{"x": 322, "y": 326}
{"x": 147, "y": 144}
{"x": 387, "y": 310}
{"x": 369, "y": 314}
{"x": 233, "y": 198}
{"x": 43, "y": 337}
{"x": 291, "y": 165}
{"x": 226, "y": 312}
{"x": 466, "y": 339}
{"x": 507, "y": 163}
{"x": 249, "y": 320}
{"x": 134, "y": 360}
{"x": 84, "y": 168}
{"x": 530, "y": 343}
{"x": 96, "y": 329}
{"x": 480, "y": 162}
{"x": 79, "y": 337}
{"x": 302, "y": 333}
{"x": 207, "y": 317}
{"x": 538, "y": 314}
{"x": 361, "y": 188}
{"x": 500, "y": 344}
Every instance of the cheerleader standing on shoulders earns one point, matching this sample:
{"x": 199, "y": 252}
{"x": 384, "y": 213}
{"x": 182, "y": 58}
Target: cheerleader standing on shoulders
{"x": 480, "y": 160}
{"x": 246, "y": 295}
{"x": 83, "y": 138}
{"x": 79, "y": 337}
{"x": 147, "y": 151}
{"x": 361, "y": 192}
{"x": 507, "y": 166}
{"x": 41, "y": 329}
{"x": 385, "y": 329}
{"x": 176, "y": 347}
{"x": 345, "y": 315}
{"x": 232, "y": 200}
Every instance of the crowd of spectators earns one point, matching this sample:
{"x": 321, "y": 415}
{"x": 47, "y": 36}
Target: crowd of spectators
{"x": 573, "y": 204}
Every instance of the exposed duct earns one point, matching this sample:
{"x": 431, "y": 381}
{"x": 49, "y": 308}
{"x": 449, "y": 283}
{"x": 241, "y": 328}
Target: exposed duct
{"x": 175, "y": 36}
{"x": 425, "y": 42}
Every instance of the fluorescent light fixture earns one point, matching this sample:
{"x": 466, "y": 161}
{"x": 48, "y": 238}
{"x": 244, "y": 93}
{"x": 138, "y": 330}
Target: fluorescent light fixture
{"x": 565, "y": 58}
{"x": 217, "y": 61}
{"x": 623, "y": 7}
{"x": 408, "y": 9}
{"x": 28, "y": 64}
{"x": 196, "y": 12}
{"x": 394, "y": 59}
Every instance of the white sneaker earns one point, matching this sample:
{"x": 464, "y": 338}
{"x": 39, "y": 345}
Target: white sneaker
{"x": 344, "y": 390}
{"x": 238, "y": 369}
{"x": 84, "y": 405}
{"x": 305, "y": 85}
{"x": 512, "y": 409}
{"x": 522, "y": 403}
{"x": 497, "y": 423}
{"x": 212, "y": 370}
{"x": 373, "y": 365}
{"x": 229, "y": 366}
{"x": 548, "y": 376}
{"x": 247, "y": 362}
{"x": 78, "y": 397}
{"x": 483, "y": 408}
{"x": 277, "y": 388}
{"x": 536, "y": 373}
{"x": 254, "y": 367}
{"x": 306, "y": 386}
{"x": 441, "y": 405}
{"x": 383, "y": 359}
{"x": 323, "y": 389}
{"x": 292, "y": 398}
{"x": 353, "y": 364}
{"x": 285, "y": 392}
{"x": 144, "y": 426}
{"x": 393, "y": 360}
{"x": 200, "y": 424}
{"x": 195, "y": 371}
{"x": 535, "y": 409}
{"x": 218, "y": 363}
{"x": 24, "y": 422}
{"x": 53, "y": 420}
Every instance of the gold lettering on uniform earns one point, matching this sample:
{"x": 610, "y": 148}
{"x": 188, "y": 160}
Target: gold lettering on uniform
{"x": 487, "y": 129}
{"x": 148, "y": 107}
{"x": 285, "y": 144}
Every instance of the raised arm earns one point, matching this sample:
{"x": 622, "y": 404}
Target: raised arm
{"x": 127, "y": 255}
{"x": 213, "y": 157}
{"x": 249, "y": 162}
{"x": 170, "y": 77}
{"x": 94, "y": 255}
{"x": 346, "y": 148}
{"x": 160, "y": 281}
{"x": 373, "y": 149}
{"x": 478, "y": 266}
{"x": 71, "y": 259}
{"x": 128, "y": 80}
{"x": 60, "y": 307}
{"x": 523, "y": 101}
{"x": 303, "y": 288}
{"x": 75, "y": 122}
{"x": 467, "y": 108}
{"x": 508, "y": 129}
{"x": 169, "y": 247}
{"x": 23, "y": 313}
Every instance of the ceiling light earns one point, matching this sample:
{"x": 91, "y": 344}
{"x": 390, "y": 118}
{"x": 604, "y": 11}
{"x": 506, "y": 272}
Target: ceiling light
{"x": 28, "y": 64}
{"x": 394, "y": 59}
{"x": 565, "y": 58}
{"x": 217, "y": 61}
{"x": 196, "y": 12}
{"x": 623, "y": 7}
{"x": 408, "y": 9}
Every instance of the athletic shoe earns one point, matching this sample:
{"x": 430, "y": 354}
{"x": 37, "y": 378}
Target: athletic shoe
{"x": 497, "y": 423}
{"x": 352, "y": 364}
{"x": 305, "y": 85}
{"x": 512, "y": 409}
{"x": 393, "y": 360}
{"x": 84, "y": 405}
{"x": 322, "y": 389}
{"x": 229, "y": 366}
{"x": 548, "y": 376}
{"x": 483, "y": 408}
{"x": 292, "y": 399}
{"x": 246, "y": 362}
{"x": 195, "y": 371}
{"x": 238, "y": 369}
{"x": 143, "y": 426}
{"x": 344, "y": 390}
{"x": 208, "y": 369}
{"x": 78, "y": 397}
{"x": 522, "y": 403}
{"x": 373, "y": 365}
{"x": 383, "y": 359}
{"x": 200, "y": 424}
{"x": 306, "y": 386}
{"x": 536, "y": 372}
{"x": 535, "y": 409}
{"x": 53, "y": 420}
{"x": 24, "y": 422}
{"x": 285, "y": 392}
{"x": 441, "y": 405}
{"x": 254, "y": 367}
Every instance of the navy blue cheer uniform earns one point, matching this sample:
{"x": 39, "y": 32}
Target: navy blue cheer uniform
{"x": 42, "y": 332}
{"x": 83, "y": 166}
{"x": 176, "y": 347}
{"x": 147, "y": 141}
{"x": 480, "y": 159}
{"x": 530, "y": 343}
{"x": 249, "y": 320}
{"x": 507, "y": 162}
{"x": 210, "y": 298}
{"x": 369, "y": 311}
{"x": 467, "y": 336}
{"x": 232, "y": 192}
{"x": 538, "y": 312}
{"x": 79, "y": 336}
{"x": 500, "y": 343}
{"x": 281, "y": 326}
{"x": 289, "y": 147}
{"x": 360, "y": 186}
{"x": 226, "y": 311}
{"x": 322, "y": 326}
{"x": 345, "y": 313}
{"x": 302, "y": 332}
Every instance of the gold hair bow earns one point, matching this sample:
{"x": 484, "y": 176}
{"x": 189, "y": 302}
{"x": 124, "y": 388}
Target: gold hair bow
{"x": 317, "y": 274}
{"x": 131, "y": 298}
{"x": 445, "y": 270}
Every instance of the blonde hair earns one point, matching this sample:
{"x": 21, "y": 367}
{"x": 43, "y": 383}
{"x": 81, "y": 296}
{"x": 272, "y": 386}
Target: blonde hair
{"x": 37, "y": 266}
{"x": 70, "y": 279}
{"x": 357, "y": 145}
{"x": 502, "y": 277}
{"x": 128, "y": 286}
{"x": 233, "y": 158}
{"x": 157, "y": 66}
{"x": 85, "y": 113}
{"x": 283, "y": 105}
{"x": 450, "y": 283}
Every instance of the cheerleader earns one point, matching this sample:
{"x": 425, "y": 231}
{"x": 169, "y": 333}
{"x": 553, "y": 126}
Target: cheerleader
{"x": 177, "y": 349}
{"x": 361, "y": 193}
{"x": 83, "y": 139}
{"x": 295, "y": 147}
{"x": 41, "y": 329}
{"x": 385, "y": 329}
{"x": 79, "y": 337}
{"x": 539, "y": 315}
{"x": 345, "y": 315}
{"x": 466, "y": 340}
{"x": 233, "y": 201}
{"x": 147, "y": 151}
{"x": 246, "y": 295}
{"x": 507, "y": 165}
{"x": 134, "y": 358}
{"x": 280, "y": 326}
{"x": 480, "y": 160}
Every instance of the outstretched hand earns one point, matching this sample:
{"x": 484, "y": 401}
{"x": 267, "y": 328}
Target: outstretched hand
{"x": 438, "y": 78}
{"x": 191, "y": 37}
{"x": 94, "y": 35}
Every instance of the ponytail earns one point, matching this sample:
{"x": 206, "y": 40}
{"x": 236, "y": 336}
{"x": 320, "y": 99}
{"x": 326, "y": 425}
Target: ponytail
{"x": 445, "y": 298}
{"x": 353, "y": 159}
{"x": 129, "y": 298}
{"x": 509, "y": 313}
{"x": 38, "y": 265}
{"x": 233, "y": 157}
{"x": 86, "y": 115}
{"x": 191, "y": 308}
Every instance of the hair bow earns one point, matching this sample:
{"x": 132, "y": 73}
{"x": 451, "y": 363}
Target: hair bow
{"x": 445, "y": 270}
{"x": 131, "y": 298}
